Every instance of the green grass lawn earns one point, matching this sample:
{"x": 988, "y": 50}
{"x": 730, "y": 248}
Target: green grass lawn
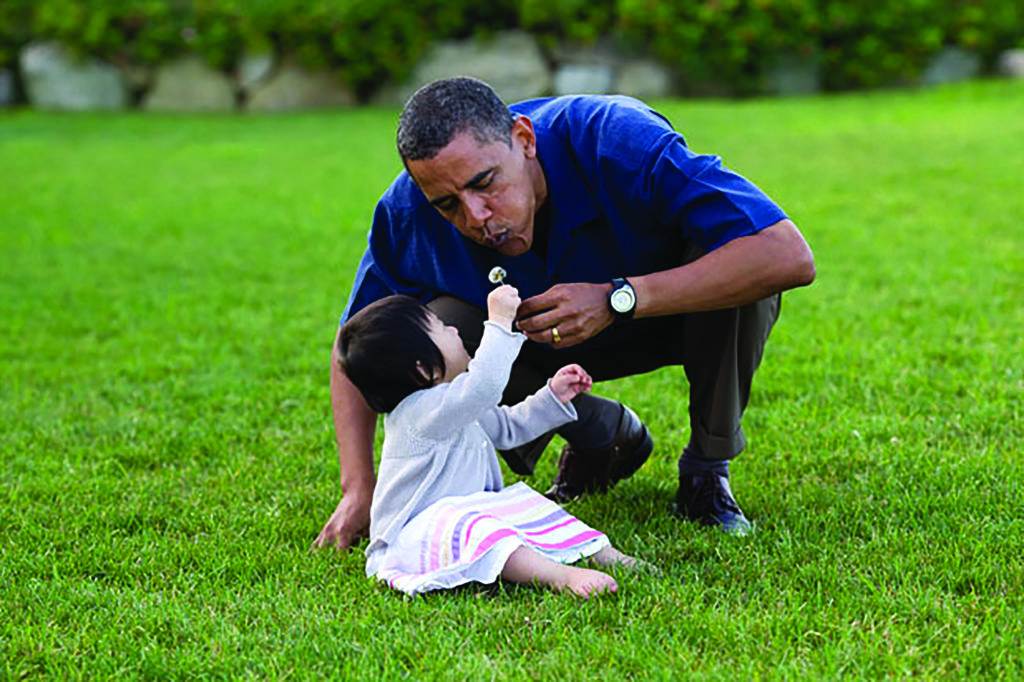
{"x": 170, "y": 287}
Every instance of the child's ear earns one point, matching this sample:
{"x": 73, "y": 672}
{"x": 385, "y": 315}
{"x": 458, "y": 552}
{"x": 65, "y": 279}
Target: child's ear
{"x": 422, "y": 369}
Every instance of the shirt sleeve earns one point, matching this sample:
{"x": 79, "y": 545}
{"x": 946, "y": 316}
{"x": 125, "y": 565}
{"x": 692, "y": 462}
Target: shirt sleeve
{"x": 710, "y": 203}
{"x": 645, "y": 162}
{"x": 510, "y": 427}
{"x": 370, "y": 285}
{"x": 375, "y": 276}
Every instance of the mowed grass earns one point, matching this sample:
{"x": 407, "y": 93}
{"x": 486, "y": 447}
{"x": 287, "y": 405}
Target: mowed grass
{"x": 170, "y": 287}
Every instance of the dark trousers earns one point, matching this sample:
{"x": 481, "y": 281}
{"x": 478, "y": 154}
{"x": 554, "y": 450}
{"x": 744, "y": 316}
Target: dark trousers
{"x": 719, "y": 350}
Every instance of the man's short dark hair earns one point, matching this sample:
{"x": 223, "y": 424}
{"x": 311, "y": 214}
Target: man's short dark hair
{"x": 379, "y": 347}
{"x": 439, "y": 111}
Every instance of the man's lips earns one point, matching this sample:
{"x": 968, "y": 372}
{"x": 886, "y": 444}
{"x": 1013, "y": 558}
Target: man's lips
{"x": 497, "y": 240}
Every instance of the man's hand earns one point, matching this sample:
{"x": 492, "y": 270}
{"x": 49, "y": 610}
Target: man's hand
{"x": 502, "y": 304}
{"x": 569, "y": 382}
{"x": 348, "y": 523}
{"x": 577, "y": 311}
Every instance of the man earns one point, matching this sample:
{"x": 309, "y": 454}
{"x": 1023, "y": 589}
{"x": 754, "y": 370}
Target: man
{"x": 630, "y": 251}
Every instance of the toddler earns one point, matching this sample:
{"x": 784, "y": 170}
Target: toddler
{"x": 440, "y": 516}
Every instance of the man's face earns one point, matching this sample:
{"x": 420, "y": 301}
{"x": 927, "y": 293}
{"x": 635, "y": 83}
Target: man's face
{"x": 488, "y": 191}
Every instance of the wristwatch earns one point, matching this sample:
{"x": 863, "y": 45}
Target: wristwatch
{"x": 622, "y": 299}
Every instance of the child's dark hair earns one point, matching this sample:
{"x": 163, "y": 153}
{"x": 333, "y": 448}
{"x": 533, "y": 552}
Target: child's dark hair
{"x": 379, "y": 348}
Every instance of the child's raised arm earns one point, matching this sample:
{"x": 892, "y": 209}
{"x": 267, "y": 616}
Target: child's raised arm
{"x": 480, "y": 387}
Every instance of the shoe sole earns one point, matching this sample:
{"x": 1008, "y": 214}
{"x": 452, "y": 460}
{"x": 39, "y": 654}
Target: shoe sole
{"x": 738, "y": 530}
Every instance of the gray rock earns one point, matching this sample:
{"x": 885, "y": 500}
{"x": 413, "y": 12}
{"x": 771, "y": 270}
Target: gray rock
{"x": 593, "y": 79}
{"x": 6, "y": 88}
{"x": 644, "y": 78}
{"x": 254, "y": 69}
{"x": 54, "y": 79}
{"x": 793, "y": 75}
{"x": 292, "y": 87}
{"x": 604, "y": 53}
{"x": 511, "y": 63}
{"x": 1011, "y": 63}
{"x": 188, "y": 84}
{"x": 588, "y": 69}
{"x": 609, "y": 66}
{"x": 392, "y": 94}
{"x": 950, "y": 65}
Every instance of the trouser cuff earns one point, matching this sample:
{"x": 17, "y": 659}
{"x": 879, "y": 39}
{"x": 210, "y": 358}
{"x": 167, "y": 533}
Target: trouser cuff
{"x": 707, "y": 446}
{"x": 690, "y": 465}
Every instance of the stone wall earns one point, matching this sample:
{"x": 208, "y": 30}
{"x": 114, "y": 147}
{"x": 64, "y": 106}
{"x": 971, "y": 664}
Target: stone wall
{"x": 512, "y": 61}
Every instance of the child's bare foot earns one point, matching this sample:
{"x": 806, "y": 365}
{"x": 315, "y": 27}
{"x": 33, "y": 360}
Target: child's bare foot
{"x": 609, "y": 556}
{"x": 586, "y": 582}
{"x": 527, "y": 566}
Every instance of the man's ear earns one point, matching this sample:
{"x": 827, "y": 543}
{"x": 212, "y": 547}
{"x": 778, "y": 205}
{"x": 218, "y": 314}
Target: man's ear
{"x": 524, "y": 135}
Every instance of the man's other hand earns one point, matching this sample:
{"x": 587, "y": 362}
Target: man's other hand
{"x": 566, "y": 314}
{"x": 349, "y": 522}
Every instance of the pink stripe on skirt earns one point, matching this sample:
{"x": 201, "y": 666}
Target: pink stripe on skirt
{"x": 575, "y": 540}
{"x": 490, "y": 540}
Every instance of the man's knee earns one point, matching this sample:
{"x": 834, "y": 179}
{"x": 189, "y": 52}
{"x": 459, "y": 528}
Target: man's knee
{"x": 756, "y": 324}
{"x": 717, "y": 335}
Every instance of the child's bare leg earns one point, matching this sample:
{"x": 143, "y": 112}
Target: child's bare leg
{"x": 527, "y": 566}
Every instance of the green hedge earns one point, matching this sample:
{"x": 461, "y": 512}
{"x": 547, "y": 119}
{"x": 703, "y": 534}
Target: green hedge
{"x": 856, "y": 44}
{"x": 725, "y": 42}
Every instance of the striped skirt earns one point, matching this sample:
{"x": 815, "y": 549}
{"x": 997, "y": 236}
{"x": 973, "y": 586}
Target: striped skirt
{"x": 466, "y": 539}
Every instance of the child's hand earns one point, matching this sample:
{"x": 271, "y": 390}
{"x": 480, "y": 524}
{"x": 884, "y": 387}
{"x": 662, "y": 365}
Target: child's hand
{"x": 502, "y": 304}
{"x": 569, "y": 382}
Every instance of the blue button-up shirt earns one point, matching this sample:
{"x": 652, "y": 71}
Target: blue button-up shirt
{"x": 625, "y": 197}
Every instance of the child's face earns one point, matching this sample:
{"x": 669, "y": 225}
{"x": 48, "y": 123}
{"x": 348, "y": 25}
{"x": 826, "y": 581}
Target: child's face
{"x": 448, "y": 341}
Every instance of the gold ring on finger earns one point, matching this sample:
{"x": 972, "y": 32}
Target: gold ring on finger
{"x": 555, "y": 336}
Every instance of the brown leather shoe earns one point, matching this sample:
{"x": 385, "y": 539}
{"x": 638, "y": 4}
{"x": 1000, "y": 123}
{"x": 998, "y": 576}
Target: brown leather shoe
{"x": 596, "y": 470}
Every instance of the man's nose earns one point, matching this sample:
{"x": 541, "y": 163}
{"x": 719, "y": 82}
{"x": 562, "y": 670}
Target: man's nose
{"x": 477, "y": 213}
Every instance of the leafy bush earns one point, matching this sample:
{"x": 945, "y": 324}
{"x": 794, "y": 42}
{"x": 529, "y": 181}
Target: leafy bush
{"x": 857, "y": 44}
{"x": 721, "y": 41}
{"x": 142, "y": 32}
{"x": 986, "y": 26}
{"x": 867, "y": 45}
{"x": 15, "y": 18}
{"x": 577, "y": 21}
{"x": 368, "y": 42}
{"x": 371, "y": 42}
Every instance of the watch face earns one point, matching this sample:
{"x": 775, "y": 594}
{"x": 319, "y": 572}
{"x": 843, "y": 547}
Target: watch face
{"x": 623, "y": 300}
